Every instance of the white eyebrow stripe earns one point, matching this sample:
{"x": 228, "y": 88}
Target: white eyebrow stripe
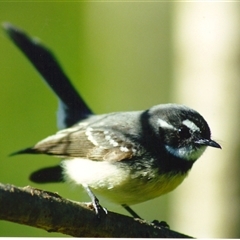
{"x": 191, "y": 125}
{"x": 164, "y": 124}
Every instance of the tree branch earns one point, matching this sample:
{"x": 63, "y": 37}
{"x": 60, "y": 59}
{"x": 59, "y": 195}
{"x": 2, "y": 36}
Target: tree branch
{"x": 51, "y": 212}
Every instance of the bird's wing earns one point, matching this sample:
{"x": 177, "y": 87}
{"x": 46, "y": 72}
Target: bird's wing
{"x": 72, "y": 107}
{"x": 92, "y": 143}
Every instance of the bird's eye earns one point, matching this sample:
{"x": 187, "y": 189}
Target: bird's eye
{"x": 184, "y": 132}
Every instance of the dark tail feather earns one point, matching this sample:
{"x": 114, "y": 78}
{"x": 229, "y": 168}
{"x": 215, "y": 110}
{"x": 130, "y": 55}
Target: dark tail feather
{"x": 25, "y": 151}
{"x": 47, "y": 175}
{"x": 72, "y": 107}
{"x": 44, "y": 175}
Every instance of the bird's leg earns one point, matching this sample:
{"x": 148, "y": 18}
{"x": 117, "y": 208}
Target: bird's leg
{"x": 155, "y": 222}
{"x": 95, "y": 202}
{"x": 135, "y": 215}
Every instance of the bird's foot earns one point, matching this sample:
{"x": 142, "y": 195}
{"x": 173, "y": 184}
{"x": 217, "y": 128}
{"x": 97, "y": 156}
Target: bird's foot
{"x": 161, "y": 224}
{"x": 99, "y": 210}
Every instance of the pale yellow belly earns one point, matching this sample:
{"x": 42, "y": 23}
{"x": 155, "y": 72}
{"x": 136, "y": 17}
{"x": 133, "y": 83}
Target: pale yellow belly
{"x": 133, "y": 191}
{"x": 120, "y": 184}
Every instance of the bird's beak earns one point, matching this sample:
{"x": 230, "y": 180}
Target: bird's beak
{"x": 208, "y": 142}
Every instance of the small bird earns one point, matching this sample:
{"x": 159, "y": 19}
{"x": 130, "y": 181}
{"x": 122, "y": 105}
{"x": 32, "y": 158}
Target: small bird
{"x": 127, "y": 157}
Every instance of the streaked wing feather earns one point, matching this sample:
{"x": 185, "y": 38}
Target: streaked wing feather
{"x": 95, "y": 144}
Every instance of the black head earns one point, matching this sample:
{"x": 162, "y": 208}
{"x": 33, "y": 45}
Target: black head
{"x": 184, "y": 132}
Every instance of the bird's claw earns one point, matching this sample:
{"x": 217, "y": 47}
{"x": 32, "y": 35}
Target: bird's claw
{"x": 98, "y": 208}
{"x": 161, "y": 224}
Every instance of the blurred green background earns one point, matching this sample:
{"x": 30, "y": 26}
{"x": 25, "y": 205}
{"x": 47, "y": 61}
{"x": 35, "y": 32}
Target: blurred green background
{"x": 119, "y": 55}
{"x": 116, "y": 55}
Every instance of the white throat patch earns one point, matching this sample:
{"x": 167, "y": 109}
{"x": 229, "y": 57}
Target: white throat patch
{"x": 186, "y": 153}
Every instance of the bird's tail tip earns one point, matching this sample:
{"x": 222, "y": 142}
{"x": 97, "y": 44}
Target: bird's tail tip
{"x": 29, "y": 150}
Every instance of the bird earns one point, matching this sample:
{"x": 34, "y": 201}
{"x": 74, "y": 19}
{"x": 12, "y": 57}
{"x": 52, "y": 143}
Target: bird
{"x": 127, "y": 157}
